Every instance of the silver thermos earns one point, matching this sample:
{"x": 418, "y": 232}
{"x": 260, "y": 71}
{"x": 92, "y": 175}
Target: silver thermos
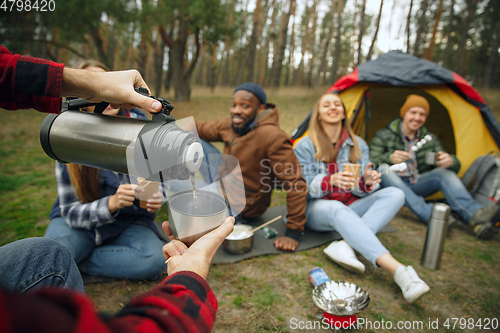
{"x": 157, "y": 150}
{"x": 436, "y": 235}
{"x": 497, "y": 195}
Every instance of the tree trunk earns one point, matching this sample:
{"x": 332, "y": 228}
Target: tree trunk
{"x": 201, "y": 70}
{"x": 312, "y": 42}
{"x": 407, "y": 30}
{"x": 290, "y": 57}
{"x": 177, "y": 59}
{"x": 117, "y": 56}
{"x": 263, "y": 68}
{"x": 96, "y": 36}
{"x": 338, "y": 46}
{"x": 322, "y": 65}
{"x": 168, "y": 74}
{"x": 227, "y": 47}
{"x": 422, "y": 22}
{"x": 361, "y": 32}
{"x": 242, "y": 52}
{"x": 252, "y": 48}
{"x": 463, "y": 39}
{"x": 211, "y": 67}
{"x": 306, "y": 42}
{"x": 490, "y": 66}
{"x": 446, "y": 57}
{"x": 180, "y": 76}
{"x": 354, "y": 37}
{"x": 432, "y": 44}
{"x": 130, "y": 57}
{"x": 143, "y": 57}
{"x": 278, "y": 60}
{"x": 297, "y": 74}
{"x": 158, "y": 65}
{"x": 372, "y": 45}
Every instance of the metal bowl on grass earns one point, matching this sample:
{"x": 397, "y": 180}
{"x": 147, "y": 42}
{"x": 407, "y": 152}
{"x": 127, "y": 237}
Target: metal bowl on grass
{"x": 240, "y": 240}
{"x": 340, "y": 298}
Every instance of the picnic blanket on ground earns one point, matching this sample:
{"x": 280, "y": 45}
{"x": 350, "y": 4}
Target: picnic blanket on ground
{"x": 261, "y": 245}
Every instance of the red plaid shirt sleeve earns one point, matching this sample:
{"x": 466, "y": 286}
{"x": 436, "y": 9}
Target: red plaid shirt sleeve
{"x": 183, "y": 302}
{"x": 29, "y": 83}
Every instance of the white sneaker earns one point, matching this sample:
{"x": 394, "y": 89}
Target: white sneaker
{"x": 343, "y": 254}
{"x": 410, "y": 283}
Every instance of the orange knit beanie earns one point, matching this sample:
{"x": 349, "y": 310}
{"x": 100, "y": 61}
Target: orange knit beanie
{"x": 414, "y": 100}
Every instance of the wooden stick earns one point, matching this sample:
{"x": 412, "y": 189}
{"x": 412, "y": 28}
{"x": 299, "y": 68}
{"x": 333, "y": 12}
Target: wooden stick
{"x": 263, "y": 225}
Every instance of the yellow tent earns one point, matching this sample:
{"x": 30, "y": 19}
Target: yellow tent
{"x": 375, "y": 91}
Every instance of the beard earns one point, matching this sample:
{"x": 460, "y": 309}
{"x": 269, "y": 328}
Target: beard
{"x": 242, "y": 128}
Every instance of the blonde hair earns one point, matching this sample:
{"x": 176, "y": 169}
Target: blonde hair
{"x": 324, "y": 149}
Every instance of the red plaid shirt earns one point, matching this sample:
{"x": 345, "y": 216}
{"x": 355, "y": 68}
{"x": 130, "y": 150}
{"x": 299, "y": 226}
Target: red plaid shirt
{"x": 334, "y": 192}
{"x": 29, "y": 83}
{"x": 183, "y": 302}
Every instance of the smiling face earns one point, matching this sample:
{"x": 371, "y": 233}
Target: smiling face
{"x": 413, "y": 119}
{"x": 331, "y": 110}
{"x": 244, "y": 107}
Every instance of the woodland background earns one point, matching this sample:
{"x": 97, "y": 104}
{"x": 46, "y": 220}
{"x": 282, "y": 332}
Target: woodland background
{"x": 176, "y": 44}
{"x": 296, "y": 49}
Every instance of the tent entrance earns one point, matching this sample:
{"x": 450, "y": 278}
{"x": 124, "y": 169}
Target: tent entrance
{"x": 378, "y": 106}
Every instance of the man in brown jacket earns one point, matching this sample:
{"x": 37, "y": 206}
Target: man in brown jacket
{"x": 265, "y": 153}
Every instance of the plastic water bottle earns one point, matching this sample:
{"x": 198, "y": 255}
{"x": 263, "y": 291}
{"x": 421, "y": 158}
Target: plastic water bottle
{"x": 436, "y": 235}
{"x": 318, "y": 276}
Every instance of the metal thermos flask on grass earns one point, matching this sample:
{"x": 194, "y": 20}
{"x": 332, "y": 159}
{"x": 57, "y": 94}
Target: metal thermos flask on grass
{"x": 436, "y": 235}
{"x": 497, "y": 195}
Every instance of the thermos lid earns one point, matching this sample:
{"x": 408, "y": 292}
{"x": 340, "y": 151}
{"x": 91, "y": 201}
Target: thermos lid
{"x": 440, "y": 211}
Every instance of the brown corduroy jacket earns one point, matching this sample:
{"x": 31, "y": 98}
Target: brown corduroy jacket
{"x": 264, "y": 153}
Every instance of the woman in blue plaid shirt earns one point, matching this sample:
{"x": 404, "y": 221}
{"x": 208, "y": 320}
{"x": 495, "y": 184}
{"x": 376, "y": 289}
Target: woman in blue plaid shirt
{"x": 98, "y": 218}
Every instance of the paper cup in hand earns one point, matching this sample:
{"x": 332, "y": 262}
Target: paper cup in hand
{"x": 149, "y": 188}
{"x": 354, "y": 169}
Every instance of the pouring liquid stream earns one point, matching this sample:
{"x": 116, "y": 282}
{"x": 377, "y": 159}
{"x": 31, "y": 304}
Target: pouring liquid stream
{"x": 193, "y": 184}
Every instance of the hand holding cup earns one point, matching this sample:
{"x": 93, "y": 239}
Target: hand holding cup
{"x": 443, "y": 160}
{"x": 371, "y": 177}
{"x": 147, "y": 193}
{"x": 197, "y": 257}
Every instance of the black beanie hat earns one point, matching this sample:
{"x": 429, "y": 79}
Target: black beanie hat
{"x": 255, "y": 89}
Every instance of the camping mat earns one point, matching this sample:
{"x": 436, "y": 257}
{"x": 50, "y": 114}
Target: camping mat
{"x": 261, "y": 245}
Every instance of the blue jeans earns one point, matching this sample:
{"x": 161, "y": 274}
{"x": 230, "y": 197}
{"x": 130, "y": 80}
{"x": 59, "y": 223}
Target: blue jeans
{"x": 456, "y": 194}
{"x": 135, "y": 254}
{"x": 360, "y": 221}
{"x": 32, "y": 263}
